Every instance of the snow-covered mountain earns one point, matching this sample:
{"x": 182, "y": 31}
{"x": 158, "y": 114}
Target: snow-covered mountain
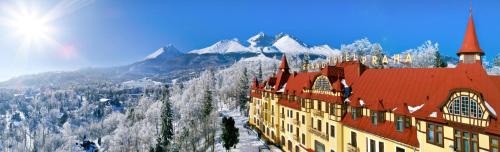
{"x": 164, "y": 52}
{"x": 262, "y": 43}
{"x": 226, "y": 46}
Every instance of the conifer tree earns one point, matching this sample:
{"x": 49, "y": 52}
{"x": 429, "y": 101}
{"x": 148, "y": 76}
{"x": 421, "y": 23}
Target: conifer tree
{"x": 230, "y": 133}
{"x": 496, "y": 60}
{"x": 377, "y": 51}
{"x": 438, "y": 61}
{"x": 167, "y": 130}
{"x": 259, "y": 74}
{"x": 243, "y": 92}
{"x": 305, "y": 63}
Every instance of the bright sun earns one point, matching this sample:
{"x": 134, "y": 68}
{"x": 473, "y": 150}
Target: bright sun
{"x": 31, "y": 27}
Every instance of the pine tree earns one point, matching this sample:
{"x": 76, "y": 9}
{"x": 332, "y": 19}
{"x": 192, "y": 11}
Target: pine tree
{"x": 243, "y": 92}
{"x": 230, "y": 133}
{"x": 496, "y": 60}
{"x": 438, "y": 61}
{"x": 206, "y": 116}
{"x": 305, "y": 63}
{"x": 167, "y": 131}
{"x": 259, "y": 74}
{"x": 377, "y": 51}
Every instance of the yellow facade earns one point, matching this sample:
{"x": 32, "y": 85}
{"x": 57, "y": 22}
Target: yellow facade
{"x": 310, "y": 128}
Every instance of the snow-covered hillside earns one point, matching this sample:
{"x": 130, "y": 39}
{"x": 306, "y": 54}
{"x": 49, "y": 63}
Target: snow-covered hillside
{"x": 281, "y": 43}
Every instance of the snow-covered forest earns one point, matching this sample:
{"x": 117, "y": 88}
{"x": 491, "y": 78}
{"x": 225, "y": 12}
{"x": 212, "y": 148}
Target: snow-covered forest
{"x": 127, "y": 116}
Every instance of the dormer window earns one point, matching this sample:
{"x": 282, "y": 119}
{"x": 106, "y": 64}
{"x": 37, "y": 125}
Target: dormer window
{"x": 322, "y": 83}
{"x": 355, "y": 113}
{"x": 465, "y": 106}
{"x": 377, "y": 117}
{"x": 402, "y": 122}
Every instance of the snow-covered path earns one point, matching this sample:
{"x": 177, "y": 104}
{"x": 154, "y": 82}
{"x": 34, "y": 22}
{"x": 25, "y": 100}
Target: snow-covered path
{"x": 249, "y": 141}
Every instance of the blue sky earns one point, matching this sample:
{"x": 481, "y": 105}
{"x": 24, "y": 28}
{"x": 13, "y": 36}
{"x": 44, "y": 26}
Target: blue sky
{"x": 117, "y": 32}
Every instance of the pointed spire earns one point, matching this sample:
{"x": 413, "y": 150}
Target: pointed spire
{"x": 470, "y": 44}
{"x": 284, "y": 63}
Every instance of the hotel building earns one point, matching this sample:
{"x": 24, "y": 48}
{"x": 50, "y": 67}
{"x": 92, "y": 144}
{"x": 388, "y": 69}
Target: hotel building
{"x": 349, "y": 107}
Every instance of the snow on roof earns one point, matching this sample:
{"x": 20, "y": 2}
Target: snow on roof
{"x": 413, "y": 109}
{"x": 490, "y": 108}
{"x": 282, "y": 88}
{"x": 361, "y": 102}
{"x": 433, "y": 114}
{"x": 344, "y": 83}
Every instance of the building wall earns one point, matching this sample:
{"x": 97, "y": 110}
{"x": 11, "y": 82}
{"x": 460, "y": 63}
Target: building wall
{"x": 291, "y": 126}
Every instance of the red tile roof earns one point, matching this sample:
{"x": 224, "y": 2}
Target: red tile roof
{"x": 386, "y": 129}
{"x": 470, "y": 43}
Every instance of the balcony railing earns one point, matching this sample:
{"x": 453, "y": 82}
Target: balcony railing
{"x": 282, "y": 115}
{"x": 318, "y": 133}
{"x": 351, "y": 148}
{"x": 318, "y": 113}
{"x": 295, "y": 121}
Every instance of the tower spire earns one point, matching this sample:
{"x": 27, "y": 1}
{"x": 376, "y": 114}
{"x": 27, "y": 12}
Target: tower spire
{"x": 470, "y": 46}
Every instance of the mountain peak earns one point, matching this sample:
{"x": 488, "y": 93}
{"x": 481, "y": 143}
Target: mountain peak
{"x": 165, "y": 51}
{"x": 224, "y": 46}
{"x": 260, "y": 40}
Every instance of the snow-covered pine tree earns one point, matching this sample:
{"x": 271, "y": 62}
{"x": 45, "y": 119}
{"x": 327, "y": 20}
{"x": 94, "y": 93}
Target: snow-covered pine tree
{"x": 243, "y": 92}
{"x": 259, "y": 73}
{"x": 207, "y": 110}
{"x": 377, "y": 52}
{"x": 496, "y": 60}
{"x": 305, "y": 63}
{"x": 439, "y": 62}
{"x": 167, "y": 130}
{"x": 230, "y": 133}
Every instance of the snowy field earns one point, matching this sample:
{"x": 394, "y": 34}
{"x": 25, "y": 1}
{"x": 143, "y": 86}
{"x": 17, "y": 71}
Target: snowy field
{"x": 249, "y": 141}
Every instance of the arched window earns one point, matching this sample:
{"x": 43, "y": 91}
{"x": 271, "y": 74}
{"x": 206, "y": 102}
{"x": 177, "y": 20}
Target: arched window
{"x": 322, "y": 83}
{"x": 465, "y": 106}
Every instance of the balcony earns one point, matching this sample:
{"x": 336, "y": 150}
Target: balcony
{"x": 295, "y": 121}
{"x": 318, "y": 133}
{"x": 282, "y": 115}
{"x": 318, "y": 113}
{"x": 351, "y": 148}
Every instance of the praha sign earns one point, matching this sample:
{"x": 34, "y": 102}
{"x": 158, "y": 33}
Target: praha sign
{"x": 368, "y": 59}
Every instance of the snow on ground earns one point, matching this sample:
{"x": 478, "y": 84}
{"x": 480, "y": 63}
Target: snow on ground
{"x": 249, "y": 141}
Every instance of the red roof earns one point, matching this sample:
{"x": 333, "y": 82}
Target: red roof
{"x": 470, "y": 43}
{"x": 386, "y": 129}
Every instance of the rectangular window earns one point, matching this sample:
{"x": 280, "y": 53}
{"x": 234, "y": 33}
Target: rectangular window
{"x": 407, "y": 122}
{"x": 303, "y": 119}
{"x": 435, "y": 134}
{"x": 381, "y": 146}
{"x": 374, "y": 117}
{"x": 373, "y": 146}
{"x": 332, "y": 109}
{"x": 303, "y": 139}
{"x": 466, "y": 141}
{"x": 399, "y": 149}
{"x": 319, "y": 125}
{"x": 465, "y": 105}
{"x": 456, "y": 104}
{"x": 326, "y": 128}
{"x": 399, "y": 123}
{"x": 319, "y": 105}
{"x": 332, "y": 131}
{"x": 353, "y": 139}
{"x": 493, "y": 144}
{"x": 355, "y": 113}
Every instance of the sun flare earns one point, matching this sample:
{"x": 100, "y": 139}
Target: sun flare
{"x": 31, "y": 27}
